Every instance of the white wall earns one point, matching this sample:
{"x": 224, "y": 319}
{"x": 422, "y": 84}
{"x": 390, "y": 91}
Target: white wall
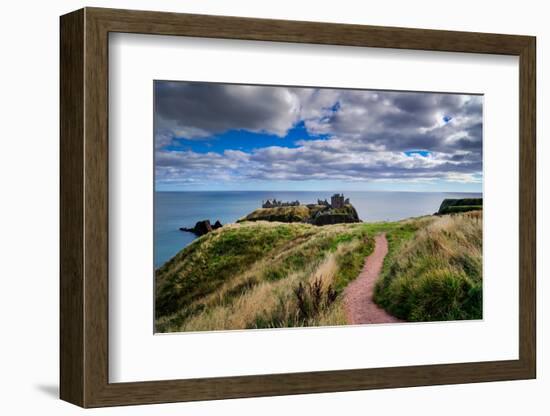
{"x": 29, "y": 206}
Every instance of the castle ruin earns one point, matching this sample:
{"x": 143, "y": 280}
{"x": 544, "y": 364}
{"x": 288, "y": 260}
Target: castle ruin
{"x": 324, "y": 203}
{"x": 273, "y": 203}
{"x": 338, "y": 201}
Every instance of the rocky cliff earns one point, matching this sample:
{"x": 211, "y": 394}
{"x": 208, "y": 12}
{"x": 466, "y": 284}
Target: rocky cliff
{"x": 312, "y": 214}
{"x": 453, "y": 206}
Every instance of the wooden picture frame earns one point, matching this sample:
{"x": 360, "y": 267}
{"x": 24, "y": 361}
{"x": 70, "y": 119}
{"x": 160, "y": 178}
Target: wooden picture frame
{"x": 84, "y": 207}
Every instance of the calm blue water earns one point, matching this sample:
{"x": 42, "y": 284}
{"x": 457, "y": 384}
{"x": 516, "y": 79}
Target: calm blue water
{"x": 183, "y": 209}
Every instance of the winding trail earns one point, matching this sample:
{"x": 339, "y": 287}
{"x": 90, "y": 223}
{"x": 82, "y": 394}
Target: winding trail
{"x": 359, "y": 305}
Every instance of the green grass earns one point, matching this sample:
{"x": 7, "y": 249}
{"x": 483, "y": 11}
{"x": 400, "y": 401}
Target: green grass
{"x": 461, "y": 208}
{"x": 229, "y": 266}
{"x": 299, "y": 213}
{"x": 203, "y": 266}
{"x": 259, "y": 274}
{"x": 436, "y": 274}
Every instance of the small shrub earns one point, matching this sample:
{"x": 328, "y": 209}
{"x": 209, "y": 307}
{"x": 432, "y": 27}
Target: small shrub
{"x": 312, "y": 299}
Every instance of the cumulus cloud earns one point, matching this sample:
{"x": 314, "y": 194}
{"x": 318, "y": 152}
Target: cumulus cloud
{"x": 197, "y": 110}
{"x": 351, "y": 134}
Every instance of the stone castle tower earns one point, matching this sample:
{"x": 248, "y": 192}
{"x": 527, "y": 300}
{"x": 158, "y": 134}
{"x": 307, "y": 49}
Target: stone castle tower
{"x": 337, "y": 201}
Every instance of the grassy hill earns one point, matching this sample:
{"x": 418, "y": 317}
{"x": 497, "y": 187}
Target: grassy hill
{"x": 311, "y": 213}
{"x": 260, "y": 274}
{"x": 300, "y": 213}
{"x": 246, "y": 275}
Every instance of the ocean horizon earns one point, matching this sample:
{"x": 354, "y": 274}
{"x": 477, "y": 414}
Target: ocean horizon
{"x": 175, "y": 209}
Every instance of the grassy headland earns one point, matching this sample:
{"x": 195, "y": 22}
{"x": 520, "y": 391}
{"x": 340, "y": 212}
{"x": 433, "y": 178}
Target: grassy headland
{"x": 260, "y": 274}
{"x": 249, "y": 275}
{"x": 311, "y": 213}
{"x": 454, "y": 206}
{"x": 300, "y": 213}
{"x": 437, "y": 274}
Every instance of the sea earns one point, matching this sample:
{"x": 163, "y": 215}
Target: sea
{"x": 183, "y": 209}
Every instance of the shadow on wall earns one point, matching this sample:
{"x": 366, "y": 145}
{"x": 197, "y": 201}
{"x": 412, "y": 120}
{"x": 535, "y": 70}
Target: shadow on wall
{"x": 51, "y": 390}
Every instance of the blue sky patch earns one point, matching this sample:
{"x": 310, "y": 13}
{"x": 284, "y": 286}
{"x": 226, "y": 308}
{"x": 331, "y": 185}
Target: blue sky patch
{"x": 244, "y": 140}
{"x": 423, "y": 153}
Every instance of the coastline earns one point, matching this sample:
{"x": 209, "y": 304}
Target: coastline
{"x": 262, "y": 261}
{"x": 175, "y": 209}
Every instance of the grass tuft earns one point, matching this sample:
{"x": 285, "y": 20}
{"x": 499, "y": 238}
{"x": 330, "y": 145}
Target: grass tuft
{"x": 437, "y": 274}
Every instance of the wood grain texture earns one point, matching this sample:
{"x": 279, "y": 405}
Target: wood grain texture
{"x": 96, "y": 207}
{"x": 527, "y": 208}
{"x": 225, "y": 27}
{"x": 84, "y": 207}
{"x": 71, "y": 208}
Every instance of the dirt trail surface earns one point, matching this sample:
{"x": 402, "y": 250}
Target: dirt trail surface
{"x": 359, "y": 306}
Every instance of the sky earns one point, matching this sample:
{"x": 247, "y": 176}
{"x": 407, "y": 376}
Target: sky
{"x": 211, "y": 136}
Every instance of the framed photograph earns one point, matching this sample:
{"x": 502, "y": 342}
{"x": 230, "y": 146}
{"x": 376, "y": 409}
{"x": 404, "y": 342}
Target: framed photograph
{"x": 255, "y": 207}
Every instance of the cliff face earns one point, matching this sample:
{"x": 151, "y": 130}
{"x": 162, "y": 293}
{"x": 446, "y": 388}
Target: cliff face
{"x": 346, "y": 214}
{"x": 312, "y": 214}
{"x": 453, "y": 206}
{"x": 298, "y": 213}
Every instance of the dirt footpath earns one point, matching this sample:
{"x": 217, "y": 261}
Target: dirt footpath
{"x": 358, "y": 303}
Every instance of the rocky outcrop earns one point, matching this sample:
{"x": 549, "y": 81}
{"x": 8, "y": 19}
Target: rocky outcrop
{"x": 202, "y": 227}
{"x": 317, "y": 214}
{"x": 300, "y": 213}
{"x": 454, "y": 206}
{"x": 346, "y": 214}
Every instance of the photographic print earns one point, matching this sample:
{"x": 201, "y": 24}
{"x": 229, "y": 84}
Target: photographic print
{"x": 285, "y": 206}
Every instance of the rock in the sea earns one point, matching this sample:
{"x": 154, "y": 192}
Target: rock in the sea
{"x": 200, "y": 228}
{"x": 203, "y": 227}
{"x": 217, "y": 225}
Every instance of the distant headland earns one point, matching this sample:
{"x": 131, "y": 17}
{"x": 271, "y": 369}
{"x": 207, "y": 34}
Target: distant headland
{"x": 338, "y": 211}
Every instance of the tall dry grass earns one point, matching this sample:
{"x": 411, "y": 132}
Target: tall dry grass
{"x": 437, "y": 274}
{"x": 263, "y": 293}
{"x": 269, "y": 274}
